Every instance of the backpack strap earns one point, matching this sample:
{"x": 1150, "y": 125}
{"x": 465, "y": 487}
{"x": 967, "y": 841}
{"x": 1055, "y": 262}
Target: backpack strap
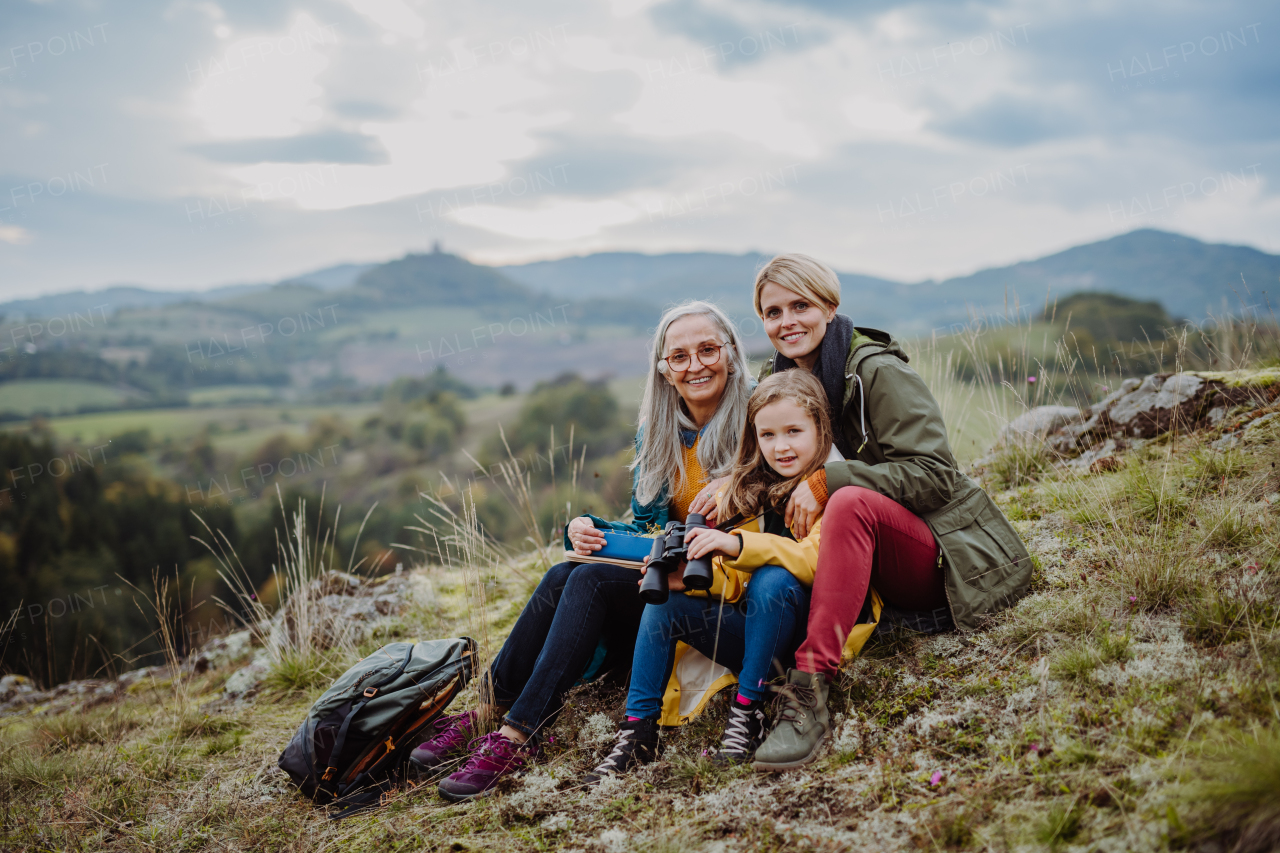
{"x": 329, "y": 782}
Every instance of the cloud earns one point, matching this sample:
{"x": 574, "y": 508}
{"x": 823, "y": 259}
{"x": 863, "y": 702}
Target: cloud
{"x": 255, "y": 138}
{"x": 725, "y": 39}
{"x": 266, "y": 85}
{"x": 15, "y": 235}
{"x": 561, "y": 220}
{"x": 392, "y": 15}
{"x": 322, "y": 147}
{"x": 1011, "y": 121}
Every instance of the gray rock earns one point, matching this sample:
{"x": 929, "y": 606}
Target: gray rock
{"x": 249, "y": 677}
{"x": 221, "y": 651}
{"x": 1264, "y": 429}
{"x": 1144, "y": 409}
{"x": 129, "y": 679}
{"x": 1227, "y": 442}
{"x": 13, "y": 686}
{"x": 1034, "y": 425}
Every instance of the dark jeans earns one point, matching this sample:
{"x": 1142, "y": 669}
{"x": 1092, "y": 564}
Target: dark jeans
{"x": 757, "y": 637}
{"x": 574, "y": 607}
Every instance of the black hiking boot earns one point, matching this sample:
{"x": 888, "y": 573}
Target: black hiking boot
{"x": 637, "y": 744}
{"x": 743, "y": 734}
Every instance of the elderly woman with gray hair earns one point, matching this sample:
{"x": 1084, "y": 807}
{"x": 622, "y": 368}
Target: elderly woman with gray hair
{"x": 694, "y": 407}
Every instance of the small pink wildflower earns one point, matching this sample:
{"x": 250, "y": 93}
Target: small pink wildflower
{"x": 1133, "y": 598}
{"x": 935, "y": 779}
{"x": 1035, "y": 747}
{"x": 1031, "y": 380}
{"x": 1252, "y": 568}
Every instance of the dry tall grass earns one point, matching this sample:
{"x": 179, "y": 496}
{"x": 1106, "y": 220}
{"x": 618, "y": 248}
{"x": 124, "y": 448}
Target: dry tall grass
{"x": 1130, "y": 703}
{"x": 306, "y": 645}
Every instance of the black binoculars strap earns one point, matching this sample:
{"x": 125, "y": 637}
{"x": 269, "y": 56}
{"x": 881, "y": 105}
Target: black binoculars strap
{"x": 735, "y": 522}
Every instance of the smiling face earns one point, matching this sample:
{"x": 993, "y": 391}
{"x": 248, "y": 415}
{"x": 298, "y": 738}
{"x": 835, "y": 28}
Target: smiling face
{"x": 795, "y": 324}
{"x": 701, "y": 386}
{"x": 787, "y": 436}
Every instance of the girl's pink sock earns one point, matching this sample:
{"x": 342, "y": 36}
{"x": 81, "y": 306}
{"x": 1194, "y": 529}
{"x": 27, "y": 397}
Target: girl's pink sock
{"x": 633, "y": 719}
{"x": 743, "y": 700}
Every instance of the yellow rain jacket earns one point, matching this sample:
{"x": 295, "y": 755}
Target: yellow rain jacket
{"x": 694, "y": 678}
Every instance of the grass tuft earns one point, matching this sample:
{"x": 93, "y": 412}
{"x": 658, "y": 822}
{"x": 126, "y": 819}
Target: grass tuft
{"x": 1236, "y": 796}
{"x": 302, "y": 672}
{"x": 1019, "y": 464}
{"x": 1060, "y": 825}
{"x": 70, "y": 730}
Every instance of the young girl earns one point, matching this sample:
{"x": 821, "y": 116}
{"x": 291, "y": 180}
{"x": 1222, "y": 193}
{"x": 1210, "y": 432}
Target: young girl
{"x": 748, "y": 620}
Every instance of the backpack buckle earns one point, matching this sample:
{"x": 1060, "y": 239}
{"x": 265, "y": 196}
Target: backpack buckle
{"x": 370, "y": 692}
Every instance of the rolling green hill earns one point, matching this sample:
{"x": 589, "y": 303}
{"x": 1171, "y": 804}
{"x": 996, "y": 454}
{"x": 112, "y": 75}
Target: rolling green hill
{"x": 59, "y": 396}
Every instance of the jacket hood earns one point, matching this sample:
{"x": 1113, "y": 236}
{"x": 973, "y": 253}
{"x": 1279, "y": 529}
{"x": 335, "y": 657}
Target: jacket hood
{"x": 888, "y": 341}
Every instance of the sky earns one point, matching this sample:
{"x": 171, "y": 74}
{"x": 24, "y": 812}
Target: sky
{"x": 183, "y": 144}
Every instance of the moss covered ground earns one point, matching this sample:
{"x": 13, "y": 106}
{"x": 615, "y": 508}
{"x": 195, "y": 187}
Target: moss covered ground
{"x": 1131, "y": 702}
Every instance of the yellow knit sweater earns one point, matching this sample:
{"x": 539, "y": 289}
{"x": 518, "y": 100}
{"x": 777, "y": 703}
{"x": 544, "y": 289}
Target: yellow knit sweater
{"x": 694, "y": 480}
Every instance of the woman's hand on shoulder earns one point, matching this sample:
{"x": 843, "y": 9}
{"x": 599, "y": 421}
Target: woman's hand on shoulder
{"x": 584, "y": 537}
{"x": 705, "y": 503}
{"x": 702, "y": 541}
{"x": 803, "y": 511}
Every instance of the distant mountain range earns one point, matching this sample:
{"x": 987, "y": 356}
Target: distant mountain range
{"x": 1192, "y": 279}
{"x": 132, "y": 296}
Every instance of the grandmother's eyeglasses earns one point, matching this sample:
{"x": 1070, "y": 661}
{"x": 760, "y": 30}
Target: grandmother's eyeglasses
{"x": 707, "y": 355}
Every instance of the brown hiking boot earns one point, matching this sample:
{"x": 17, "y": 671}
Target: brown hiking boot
{"x": 801, "y": 723}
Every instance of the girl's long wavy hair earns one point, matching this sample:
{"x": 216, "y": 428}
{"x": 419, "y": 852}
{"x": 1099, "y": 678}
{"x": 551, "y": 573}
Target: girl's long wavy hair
{"x": 659, "y": 461}
{"x": 755, "y": 487}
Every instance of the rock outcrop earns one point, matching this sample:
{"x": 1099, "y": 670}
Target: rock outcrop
{"x": 1241, "y": 403}
{"x": 341, "y": 609}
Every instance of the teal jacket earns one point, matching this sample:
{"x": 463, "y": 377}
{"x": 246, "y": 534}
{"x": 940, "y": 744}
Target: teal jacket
{"x": 890, "y": 416}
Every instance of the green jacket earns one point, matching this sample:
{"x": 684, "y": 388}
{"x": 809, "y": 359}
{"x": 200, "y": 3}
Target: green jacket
{"x": 893, "y": 420}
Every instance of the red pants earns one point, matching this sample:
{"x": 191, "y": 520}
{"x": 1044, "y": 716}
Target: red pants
{"x": 867, "y": 538}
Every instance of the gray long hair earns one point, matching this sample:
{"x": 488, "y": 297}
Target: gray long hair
{"x": 660, "y": 460}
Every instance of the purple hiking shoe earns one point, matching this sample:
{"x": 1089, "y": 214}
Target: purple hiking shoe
{"x": 450, "y": 744}
{"x": 493, "y": 757}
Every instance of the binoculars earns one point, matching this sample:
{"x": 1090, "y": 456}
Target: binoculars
{"x": 666, "y": 556}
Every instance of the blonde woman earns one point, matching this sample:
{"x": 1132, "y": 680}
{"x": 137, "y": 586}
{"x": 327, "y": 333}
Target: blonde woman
{"x": 898, "y": 514}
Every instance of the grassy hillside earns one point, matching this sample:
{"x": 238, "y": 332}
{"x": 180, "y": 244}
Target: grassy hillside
{"x": 1128, "y": 704}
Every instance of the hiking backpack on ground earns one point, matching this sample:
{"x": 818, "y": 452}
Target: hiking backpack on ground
{"x": 356, "y": 739}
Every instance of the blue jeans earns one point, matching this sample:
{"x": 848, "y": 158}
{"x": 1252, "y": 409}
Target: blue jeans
{"x": 758, "y": 637}
{"x": 574, "y": 607}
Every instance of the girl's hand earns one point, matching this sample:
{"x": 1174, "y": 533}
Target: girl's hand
{"x": 703, "y": 540}
{"x": 675, "y": 580}
{"x": 584, "y": 537}
{"x": 705, "y": 503}
{"x": 803, "y": 511}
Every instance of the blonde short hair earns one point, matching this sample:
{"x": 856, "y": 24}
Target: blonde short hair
{"x": 803, "y": 276}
